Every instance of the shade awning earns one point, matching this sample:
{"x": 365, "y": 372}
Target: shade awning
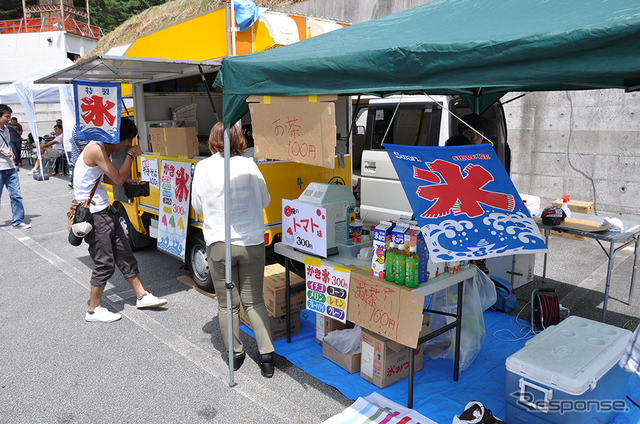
{"x": 129, "y": 70}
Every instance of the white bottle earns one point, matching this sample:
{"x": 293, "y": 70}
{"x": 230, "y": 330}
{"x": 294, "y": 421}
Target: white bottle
{"x": 565, "y": 205}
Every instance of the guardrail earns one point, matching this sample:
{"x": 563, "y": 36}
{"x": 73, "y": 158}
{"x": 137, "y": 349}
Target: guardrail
{"x": 57, "y": 23}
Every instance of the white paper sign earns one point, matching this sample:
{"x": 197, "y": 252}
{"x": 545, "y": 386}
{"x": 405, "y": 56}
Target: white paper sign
{"x": 304, "y": 227}
{"x": 175, "y": 187}
{"x": 149, "y": 170}
{"x": 327, "y": 288}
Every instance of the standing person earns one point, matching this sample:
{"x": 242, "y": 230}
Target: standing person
{"x": 108, "y": 245}
{"x": 15, "y": 131}
{"x": 9, "y": 172}
{"x": 249, "y": 196}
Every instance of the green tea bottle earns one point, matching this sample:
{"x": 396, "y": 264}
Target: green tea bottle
{"x": 401, "y": 265}
{"x": 413, "y": 262}
{"x": 391, "y": 262}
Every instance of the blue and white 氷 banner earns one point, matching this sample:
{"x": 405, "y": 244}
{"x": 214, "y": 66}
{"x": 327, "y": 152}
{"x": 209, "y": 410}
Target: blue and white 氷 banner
{"x": 98, "y": 109}
{"x": 465, "y": 202}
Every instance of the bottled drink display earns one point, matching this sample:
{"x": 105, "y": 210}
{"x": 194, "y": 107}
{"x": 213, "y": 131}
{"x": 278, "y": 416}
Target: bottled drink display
{"x": 391, "y": 262}
{"x": 412, "y": 264}
{"x": 401, "y": 265}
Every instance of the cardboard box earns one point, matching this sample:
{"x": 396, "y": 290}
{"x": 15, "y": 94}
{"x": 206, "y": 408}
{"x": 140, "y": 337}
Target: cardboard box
{"x": 351, "y": 363}
{"x": 275, "y": 291}
{"x": 174, "y": 141}
{"x": 383, "y": 361}
{"x": 381, "y": 241}
{"x": 385, "y": 308}
{"x": 577, "y": 206}
{"x": 278, "y": 325}
{"x": 325, "y": 325}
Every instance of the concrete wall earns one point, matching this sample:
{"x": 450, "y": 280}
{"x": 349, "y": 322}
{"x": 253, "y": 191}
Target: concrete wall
{"x": 353, "y": 11}
{"x": 582, "y": 143}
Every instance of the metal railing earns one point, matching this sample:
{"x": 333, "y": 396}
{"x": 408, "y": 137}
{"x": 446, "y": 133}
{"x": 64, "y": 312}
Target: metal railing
{"x": 56, "y": 23}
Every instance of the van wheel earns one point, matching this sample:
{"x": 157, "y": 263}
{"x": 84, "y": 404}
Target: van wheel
{"x": 136, "y": 240}
{"x": 197, "y": 263}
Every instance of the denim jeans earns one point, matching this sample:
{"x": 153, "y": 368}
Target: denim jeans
{"x": 9, "y": 178}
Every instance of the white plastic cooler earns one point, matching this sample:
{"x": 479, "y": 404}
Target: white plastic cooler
{"x": 568, "y": 374}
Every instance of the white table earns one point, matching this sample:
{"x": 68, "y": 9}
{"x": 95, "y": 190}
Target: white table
{"x": 428, "y": 288}
{"x": 630, "y": 235}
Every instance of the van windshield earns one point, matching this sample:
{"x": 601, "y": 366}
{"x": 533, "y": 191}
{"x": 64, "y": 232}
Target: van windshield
{"x": 413, "y": 125}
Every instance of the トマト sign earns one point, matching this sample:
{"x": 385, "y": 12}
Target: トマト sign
{"x": 304, "y": 227}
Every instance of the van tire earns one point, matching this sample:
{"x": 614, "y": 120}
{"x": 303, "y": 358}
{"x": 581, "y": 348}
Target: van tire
{"x": 136, "y": 240}
{"x": 197, "y": 262}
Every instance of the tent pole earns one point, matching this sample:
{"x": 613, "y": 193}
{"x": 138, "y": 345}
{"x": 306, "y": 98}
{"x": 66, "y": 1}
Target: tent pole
{"x": 227, "y": 250}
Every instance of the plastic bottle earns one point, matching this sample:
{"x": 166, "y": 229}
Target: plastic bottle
{"x": 565, "y": 205}
{"x": 413, "y": 263}
{"x": 400, "y": 272}
{"x": 391, "y": 263}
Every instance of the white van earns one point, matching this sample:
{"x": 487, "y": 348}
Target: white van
{"x": 408, "y": 120}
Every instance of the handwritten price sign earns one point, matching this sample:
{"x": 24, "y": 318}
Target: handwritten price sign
{"x": 327, "y": 289}
{"x": 294, "y": 128}
{"x": 304, "y": 227}
{"x": 149, "y": 170}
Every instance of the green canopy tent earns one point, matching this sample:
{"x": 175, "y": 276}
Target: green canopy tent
{"x": 480, "y": 49}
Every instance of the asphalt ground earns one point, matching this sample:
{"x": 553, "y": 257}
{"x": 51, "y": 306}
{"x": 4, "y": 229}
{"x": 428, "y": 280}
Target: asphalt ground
{"x": 161, "y": 365}
{"x": 168, "y": 364}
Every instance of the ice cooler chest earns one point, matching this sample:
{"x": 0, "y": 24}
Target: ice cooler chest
{"x": 567, "y": 374}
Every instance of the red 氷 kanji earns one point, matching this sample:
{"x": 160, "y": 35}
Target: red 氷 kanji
{"x": 182, "y": 192}
{"x": 96, "y": 111}
{"x": 457, "y": 193}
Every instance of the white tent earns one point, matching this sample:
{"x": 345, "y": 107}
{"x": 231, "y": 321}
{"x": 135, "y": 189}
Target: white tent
{"x": 28, "y": 94}
{"x": 42, "y": 93}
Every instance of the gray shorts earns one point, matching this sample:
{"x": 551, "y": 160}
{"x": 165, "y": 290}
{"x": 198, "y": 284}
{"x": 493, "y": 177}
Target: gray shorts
{"x": 108, "y": 247}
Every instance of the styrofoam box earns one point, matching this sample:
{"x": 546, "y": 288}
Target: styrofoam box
{"x": 522, "y": 270}
{"x": 568, "y": 374}
{"x": 531, "y": 202}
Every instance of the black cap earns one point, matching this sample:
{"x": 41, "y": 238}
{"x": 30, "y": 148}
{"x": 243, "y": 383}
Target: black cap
{"x": 553, "y": 215}
{"x": 475, "y": 121}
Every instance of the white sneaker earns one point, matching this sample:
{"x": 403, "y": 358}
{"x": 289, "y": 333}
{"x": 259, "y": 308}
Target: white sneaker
{"x": 30, "y": 172}
{"x": 23, "y": 226}
{"x": 101, "y": 314}
{"x": 150, "y": 301}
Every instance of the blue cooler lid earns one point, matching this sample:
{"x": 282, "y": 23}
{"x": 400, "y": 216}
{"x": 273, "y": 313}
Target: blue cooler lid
{"x": 572, "y": 355}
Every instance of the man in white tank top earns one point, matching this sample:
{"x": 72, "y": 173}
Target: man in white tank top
{"x": 108, "y": 244}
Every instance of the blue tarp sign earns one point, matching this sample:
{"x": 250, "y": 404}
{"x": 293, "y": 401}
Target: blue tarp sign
{"x": 465, "y": 202}
{"x": 98, "y": 109}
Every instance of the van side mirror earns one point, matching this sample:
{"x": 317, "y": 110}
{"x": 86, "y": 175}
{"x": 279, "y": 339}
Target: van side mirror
{"x": 360, "y": 130}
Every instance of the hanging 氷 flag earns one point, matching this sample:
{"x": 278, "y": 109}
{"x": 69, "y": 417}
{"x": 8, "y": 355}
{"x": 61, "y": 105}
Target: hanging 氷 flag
{"x": 98, "y": 108}
{"x": 465, "y": 202}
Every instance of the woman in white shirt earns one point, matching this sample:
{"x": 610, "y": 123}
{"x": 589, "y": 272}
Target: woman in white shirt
{"x": 249, "y": 196}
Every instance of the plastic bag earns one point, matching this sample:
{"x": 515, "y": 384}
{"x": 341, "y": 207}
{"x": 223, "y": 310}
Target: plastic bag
{"x": 479, "y": 294}
{"x": 345, "y": 341}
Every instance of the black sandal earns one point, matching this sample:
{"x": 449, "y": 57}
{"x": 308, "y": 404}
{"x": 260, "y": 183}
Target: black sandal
{"x": 266, "y": 365}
